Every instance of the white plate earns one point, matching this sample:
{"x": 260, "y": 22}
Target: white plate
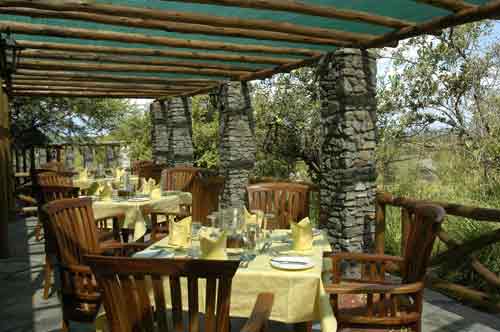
{"x": 154, "y": 253}
{"x": 292, "y": 263}
{"x": 139, "y": 199}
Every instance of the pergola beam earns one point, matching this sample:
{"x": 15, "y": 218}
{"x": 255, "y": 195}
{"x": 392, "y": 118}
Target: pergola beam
{"x": 451, "y": 5}
{"x": 98, "y": 77}
{"x": 341, "y": 40}
{"x": 184, "y": 17}
{"x": 42, "y": 93}
{"x": 94, "y": 57}
{"x": 132, "y": 85}
{"x": 42, "y": 86}
{"x": 151, "y": 52}
{"x": 65, "y": 65}
{"x": 58, "y": 31}
{"x": 300, "y": 7}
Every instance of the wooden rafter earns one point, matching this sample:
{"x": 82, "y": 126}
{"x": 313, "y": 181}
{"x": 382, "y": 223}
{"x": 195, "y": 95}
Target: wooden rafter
{"x": 451, "y": 5}
{"x": 279, "y": 69}
{"x": 93, "y": 57}
{"x": 184, "y": 27}
{"x": 19, "y": 87}
{"x": 310, "y": 9}
{"x": 184, "y": 17}
{"x": 99, "y": 77}
{"x": 36, "y": 81}
{"x": 152, "y": 52}
{"x": 85, "y": 66}
{"x": 58, "y": 31}
{"x": 39, "y": 93}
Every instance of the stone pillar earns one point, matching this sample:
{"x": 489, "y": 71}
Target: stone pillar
{"x": 237, "y": 141}
{"x": 159, "y": 132}
{"x": 69, "y": 155}
{"x": 180, "y": 142}
{"x": 88, "y": 157}
{"x": 348, "y": 114}
{"x": 109, "y": 156}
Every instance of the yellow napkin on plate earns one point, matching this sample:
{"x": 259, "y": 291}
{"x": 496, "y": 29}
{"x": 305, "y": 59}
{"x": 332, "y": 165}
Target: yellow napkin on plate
{"x": 156, "y": 193}
{"x": 212, "y": 243}
{"x": 147, "y": 186}
{"x": 83, "y": 175}
{"x": 302, "y": 235}
{"x": 179, "y": 232}
{"x": 106, "y": 192}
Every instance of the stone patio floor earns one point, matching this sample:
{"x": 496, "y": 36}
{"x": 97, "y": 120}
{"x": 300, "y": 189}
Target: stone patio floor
{"x": 22, "y": 307}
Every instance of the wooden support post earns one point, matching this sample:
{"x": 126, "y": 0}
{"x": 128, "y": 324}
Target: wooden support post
{"x": 405, "y": 228}
{"x": 6, "y": 176}
{"x": 32, "y": 158}
{"x": 380, "y": 228}
{"x": 25, "y": 160}
{"x": 48, "y": 154}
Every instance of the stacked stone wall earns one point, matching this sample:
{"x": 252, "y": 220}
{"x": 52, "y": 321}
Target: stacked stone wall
{"x": 348, "y": 115}
{"x": 159, "y": 132}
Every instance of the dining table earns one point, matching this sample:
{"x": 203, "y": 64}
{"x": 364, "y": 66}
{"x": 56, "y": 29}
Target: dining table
{"x": 299, "y": 295}
{"x": 133, "y": 209}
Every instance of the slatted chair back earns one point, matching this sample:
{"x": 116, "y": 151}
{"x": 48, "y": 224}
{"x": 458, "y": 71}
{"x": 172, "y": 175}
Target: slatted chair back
{"x": 178, "y": 178}
{"x": 130, "y": 308}
{"x": 423, "y": 230}
{"x": 205, "y": 191}
{"x": 288, "y": 201}
{"x": 151, "y": 171}
{"x": 72, "y": 221}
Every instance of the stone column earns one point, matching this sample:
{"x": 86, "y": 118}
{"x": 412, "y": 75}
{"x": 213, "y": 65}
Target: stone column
{"x": 348, "y": 115}
{"x": 180, "y": 142}
{"x": 109, "y": 156}
{"x": 88, "y": 157}
{"x": 69, "y": 155}
{"x": 159, "y": 132}
{"x": 237, "y": 141}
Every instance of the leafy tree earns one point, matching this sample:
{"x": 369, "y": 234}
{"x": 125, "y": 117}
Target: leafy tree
{"x": 205, "y": 132}
{"x": 39, "y": 120}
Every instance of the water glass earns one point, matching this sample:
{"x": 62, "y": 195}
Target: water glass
{"x": 252, "y": 238}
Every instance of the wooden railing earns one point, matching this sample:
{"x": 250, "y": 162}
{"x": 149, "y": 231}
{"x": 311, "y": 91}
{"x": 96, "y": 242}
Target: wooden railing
{"x": 456, "y": 253}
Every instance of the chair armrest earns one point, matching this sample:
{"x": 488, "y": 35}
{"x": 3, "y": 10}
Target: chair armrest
{"x": 123, "y": 249}
{"x": 257, "y": 322}
{"x": 353, "y": 288}
{"x": 361, "y": 257}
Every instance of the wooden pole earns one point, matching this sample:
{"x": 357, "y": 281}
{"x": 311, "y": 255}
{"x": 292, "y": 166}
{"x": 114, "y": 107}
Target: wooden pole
{"x": 37, "y": 93}
{"x": 279, "y": 69}
{"x": 380, "y": 228}
{"x": 452, "y": 5}
{"x": 186, "y": 27}
{"x": 94, "y": 57}
{"x": 6, "y": 176}
{"x": 58, "y": 31}
{"x": 19, "y": 88}
{"x": 65, "y": 65}
{"x": 186, "y": 17}
{"x": 152, "y": 52}
{"x": 71, "y": 75}
{"x": 38, "y": 81}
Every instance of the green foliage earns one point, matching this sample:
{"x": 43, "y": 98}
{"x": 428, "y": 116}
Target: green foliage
{"x": 205, "y": 132}
{"x": 39, "y": 120}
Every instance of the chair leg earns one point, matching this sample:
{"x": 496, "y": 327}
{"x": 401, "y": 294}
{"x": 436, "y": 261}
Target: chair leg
{"x": 417, "y": 327}
{"x": 65, "y": 325}
{"x": 47, "y": 278}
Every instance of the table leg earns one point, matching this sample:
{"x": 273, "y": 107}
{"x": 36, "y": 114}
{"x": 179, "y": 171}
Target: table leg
{"x": 303, "y": 327}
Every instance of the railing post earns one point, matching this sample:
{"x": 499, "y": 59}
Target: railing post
{"x": 380, "y": 228}
{"x": 405, "y": 228}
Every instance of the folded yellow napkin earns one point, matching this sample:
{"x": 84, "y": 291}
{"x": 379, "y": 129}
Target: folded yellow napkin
{"x": 179, "y": 232}
{"x": 212, "y": 243}
{"x": 156, "y": 193}
{"x": 118, "y": 174}
{"x": 83, "y": 175}
{"x": 147, "y": 186}
{"x": 302, "y": 235}
{"x": 106, "y": 192}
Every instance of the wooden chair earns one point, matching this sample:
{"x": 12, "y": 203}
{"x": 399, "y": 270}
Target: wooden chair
{"x": 205, "y": 191}
{"x": 73, "y": 224}
{"x": 288, "y": 201}
{"x": 129, "y": 307}
{"x": 149, "y": 170}
{"x": 388, "y": 304}
{"x": 178, "y": 178}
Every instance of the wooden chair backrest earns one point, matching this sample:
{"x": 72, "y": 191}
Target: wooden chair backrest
{"x": 288, "y": 201}
{"x": 151, "y": 171}
{"x": 178, "y": 178}
{"x": 420, "y": 241}
{"x": 130, "y": 308}
{"x": 205, "y": 193}
{"x": 75, "y": 229}
{"x": 138, "y": 164}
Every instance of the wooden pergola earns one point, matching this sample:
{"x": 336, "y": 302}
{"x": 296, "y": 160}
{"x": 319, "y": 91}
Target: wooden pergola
{"x": 164, "y": 48}
{"x": 138, "y": 48}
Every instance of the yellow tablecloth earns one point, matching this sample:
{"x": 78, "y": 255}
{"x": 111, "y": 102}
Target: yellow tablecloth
{"x": 85, "y": 184}
{"x": 134, "y": 219}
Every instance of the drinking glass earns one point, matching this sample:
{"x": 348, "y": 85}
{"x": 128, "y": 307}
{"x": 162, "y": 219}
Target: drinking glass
{"x": 252, "y": 238}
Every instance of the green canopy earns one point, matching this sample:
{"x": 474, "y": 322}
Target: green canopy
{"x": 162, "y": 48}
